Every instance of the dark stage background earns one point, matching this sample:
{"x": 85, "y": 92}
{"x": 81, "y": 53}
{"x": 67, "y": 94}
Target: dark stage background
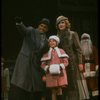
{"x": 83, "y": 15}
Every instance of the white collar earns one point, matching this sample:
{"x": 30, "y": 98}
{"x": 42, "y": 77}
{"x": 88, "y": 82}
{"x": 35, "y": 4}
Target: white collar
{"x": 49, "y": 54}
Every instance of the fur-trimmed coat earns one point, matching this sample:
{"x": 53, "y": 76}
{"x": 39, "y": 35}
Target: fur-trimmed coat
{"x": 55, "y": 56}
{"x": 69, "y": 42}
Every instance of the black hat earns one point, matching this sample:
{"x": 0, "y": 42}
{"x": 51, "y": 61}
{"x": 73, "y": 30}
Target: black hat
{"x": 45, "y": 21}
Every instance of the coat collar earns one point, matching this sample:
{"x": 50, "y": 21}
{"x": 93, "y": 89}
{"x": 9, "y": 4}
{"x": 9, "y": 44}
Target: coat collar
{"x": 48, "y": 55}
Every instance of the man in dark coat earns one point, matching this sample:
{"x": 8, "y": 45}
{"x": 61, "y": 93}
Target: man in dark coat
{"x": 26, "y": 82}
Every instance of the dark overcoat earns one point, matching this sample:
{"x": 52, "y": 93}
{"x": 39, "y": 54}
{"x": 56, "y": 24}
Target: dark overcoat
{"x": 27, "y": 73}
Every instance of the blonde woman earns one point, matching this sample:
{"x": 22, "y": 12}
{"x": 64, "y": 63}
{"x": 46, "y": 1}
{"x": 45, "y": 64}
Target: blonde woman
{"x": 71, "y": 45}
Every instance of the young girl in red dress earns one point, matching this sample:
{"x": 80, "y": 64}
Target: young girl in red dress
{"x": 54, "y": 62}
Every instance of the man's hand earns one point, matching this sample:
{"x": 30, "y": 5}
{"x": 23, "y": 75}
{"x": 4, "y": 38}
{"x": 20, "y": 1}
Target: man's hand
{"x": 18, "y": 19}
{"x": 80, "y": 67}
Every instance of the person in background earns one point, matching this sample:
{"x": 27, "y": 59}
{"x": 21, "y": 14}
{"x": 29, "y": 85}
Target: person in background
{"x": 69, "y": 42}
{"x": 5, "y": 80}
{"x": 91, "y": 66}
{"x": 26, "y": 82}
{"x": 54, "y": 63}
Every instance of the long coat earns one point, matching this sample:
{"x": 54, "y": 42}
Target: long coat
{"x": 69, "y": 41}
{"x": 55, "y": 56}
{"x": 27, "y": 72}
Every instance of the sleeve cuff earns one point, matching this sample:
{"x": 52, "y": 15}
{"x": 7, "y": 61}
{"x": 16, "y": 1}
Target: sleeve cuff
{"x": 97, "y": 67}
{"x": 62, "y": 66}
{"x": 46, "y": 67}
